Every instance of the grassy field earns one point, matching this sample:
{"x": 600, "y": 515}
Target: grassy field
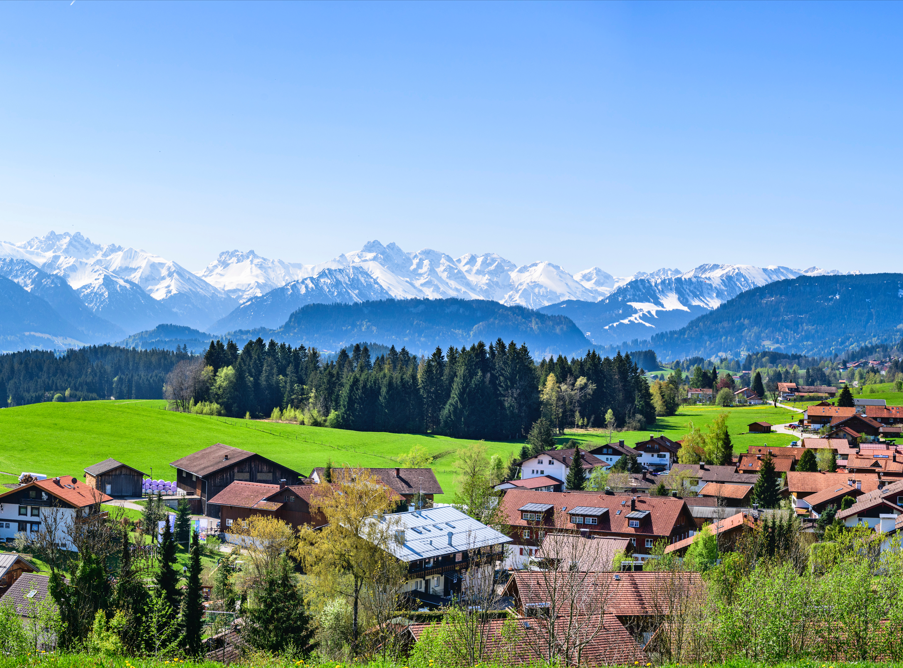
{"x": 62, "y": 439}
{"x": 675, "y": 427}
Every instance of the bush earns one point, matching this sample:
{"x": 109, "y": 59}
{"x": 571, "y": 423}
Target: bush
{"x": 725, "y": 397}
{"x": 57, "y": 397}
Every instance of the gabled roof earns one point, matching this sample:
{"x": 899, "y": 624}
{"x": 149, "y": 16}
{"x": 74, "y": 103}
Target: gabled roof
{"x": 718, "y": 527}
{"x": 804, "y": 482}
{"x": 830, "y": 411}
{"x": 404, "y": 481}
{"x": 67, "y": 489}
{"x": 726, "y": 491}
{"x": 841, "y": 445}
{"x": 566, "y": 456}
{"x": 831, "y": 495}
{"x": 749, "y": 463}
{"x": 26, "y": 592}
{"x": 108, "y": 465}
{"x": 662, "y": 521}
{"x": 241, "y": 494}
{"x": 866, "y": 503}
{"x": 883, "y": 462}
{"x": 884, "y": 412}
{"x": 761, "y": 424}
{"x": 603, "y": 641}
{"x": 617, "y": 448}
{"x": 210, "y": 459}
{"x": 533, "y": 483}
{"x": 787, "y": 387}
{"x": 7, "y": 561}
{"x": 854, "y": 419}
{"x": 434, "y": 532}
{"x": 845, "y": 430}
{"x": 621, "y": 594}
{"x": 662, "y": 441}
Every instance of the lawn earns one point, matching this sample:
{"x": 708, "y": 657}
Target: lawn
{"x": 64, "y": 438}
{"x": 675, "y": 427}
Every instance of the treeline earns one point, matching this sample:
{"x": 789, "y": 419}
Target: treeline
{"x": 487, "y": 392}
{"x": 95, "y": 372}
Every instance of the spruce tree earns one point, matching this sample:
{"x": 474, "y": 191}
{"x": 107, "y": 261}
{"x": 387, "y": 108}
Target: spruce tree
{"x": 846, "y": 398}
{"x": 167, "y": 577}
{"x": 183, "y": 523}
{"x": 276, "y": 618}
{"x": 130, "y": 597}
{"x": 765, "y": 490}
{"x": 576, "y": 478}
{"x": 327, "y": 472}
{"x": 541, "y": 437}
{"x": 193, "y": 601}
{"x": 807, "y": 462}
{"x": 758, "y": 386}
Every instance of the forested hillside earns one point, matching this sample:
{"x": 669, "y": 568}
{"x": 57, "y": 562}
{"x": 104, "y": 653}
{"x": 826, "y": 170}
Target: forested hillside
{"x": 488, "y": 392}
{"x": 97, "y": 372}
{"x": 812, "y": 316}
{"x": 421, "y": 325}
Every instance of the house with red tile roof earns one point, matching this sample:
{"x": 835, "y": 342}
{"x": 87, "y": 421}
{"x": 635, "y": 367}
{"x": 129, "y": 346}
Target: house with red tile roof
{"x": 887, "y": 415}
{"x": 657, "y": 453}
{"x": 859, "y": 424}
{"x": 872, "y": 508}
{"x": 822, "y": 415}
{"x": 726, "y": 530}
{"x": 749, "y": 463}
{"x": 803, "y": 484}
{"x": 543, "y": 483}
{"x": 731, "y": 496}
{"x": 27, "y": 508}
{"x": 289, "y": 503}
{"x": 529, "y": 516}
{"x": 409, "y": 483}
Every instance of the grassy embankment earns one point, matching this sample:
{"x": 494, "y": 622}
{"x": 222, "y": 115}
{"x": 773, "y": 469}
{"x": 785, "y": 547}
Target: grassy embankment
{"x": 62, "y": 439}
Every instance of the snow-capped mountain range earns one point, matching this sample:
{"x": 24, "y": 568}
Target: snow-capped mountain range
{"x": 131, "y": 290}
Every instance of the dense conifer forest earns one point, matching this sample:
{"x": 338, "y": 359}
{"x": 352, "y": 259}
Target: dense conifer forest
{"x": 95, "y": 372}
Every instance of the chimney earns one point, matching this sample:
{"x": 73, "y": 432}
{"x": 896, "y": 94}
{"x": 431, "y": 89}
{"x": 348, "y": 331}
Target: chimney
{"x": 621, "y": 442}
{"x": 282, "y": 484}
{"x": 225, "y": 458}
{"x": 397, "y": 472}
{"x": 859, "y": 485}
{"x": 632, "y": 503}
{"x": 450, "y": 536}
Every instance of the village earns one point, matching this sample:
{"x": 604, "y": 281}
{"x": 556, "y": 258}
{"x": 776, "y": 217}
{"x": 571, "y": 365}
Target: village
{"x": 535, "y": 539}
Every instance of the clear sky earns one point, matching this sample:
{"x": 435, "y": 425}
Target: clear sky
{"x": 628, "y": 136}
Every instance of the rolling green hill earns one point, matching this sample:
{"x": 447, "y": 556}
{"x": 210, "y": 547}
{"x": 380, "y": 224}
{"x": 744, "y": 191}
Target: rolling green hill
{"x": 64, "y": 438}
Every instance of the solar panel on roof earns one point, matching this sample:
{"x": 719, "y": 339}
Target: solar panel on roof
{"x": 536, "y": 507}
{"x": 637, "y": 514}
{"x": 587, "y": 510}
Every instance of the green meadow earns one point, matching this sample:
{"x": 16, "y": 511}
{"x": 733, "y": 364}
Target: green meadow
{"x": 64, "y": 438}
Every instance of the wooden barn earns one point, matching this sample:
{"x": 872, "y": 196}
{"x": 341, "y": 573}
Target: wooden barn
{"x": 114, "y": 479}
{"x": 208, "y": 472}
{"x": 759, "y": 428}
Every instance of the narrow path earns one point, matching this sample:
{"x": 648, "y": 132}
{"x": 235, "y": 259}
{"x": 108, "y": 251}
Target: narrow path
{"x": 125, "y": 503}
{"x": 791, "y": 408}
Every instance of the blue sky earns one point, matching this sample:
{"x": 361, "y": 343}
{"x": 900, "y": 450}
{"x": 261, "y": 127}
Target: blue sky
{"x": 625, "y": 136}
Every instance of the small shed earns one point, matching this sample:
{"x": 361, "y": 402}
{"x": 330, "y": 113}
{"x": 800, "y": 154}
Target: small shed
{"x": 114, "y": 479}
{"x": 12, "y": 566}
{"x": 760, "y": 428}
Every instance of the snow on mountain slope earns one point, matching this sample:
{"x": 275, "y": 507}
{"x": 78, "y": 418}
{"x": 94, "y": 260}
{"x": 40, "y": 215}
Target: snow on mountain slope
{"x": 489, "y": 274}
{"x": 347, "y": 285}
{"x": 245, "y": 275}
{"x": 62, "y": 298}
{"x": 122, "y": 302}
{"x": 543, "y": 283}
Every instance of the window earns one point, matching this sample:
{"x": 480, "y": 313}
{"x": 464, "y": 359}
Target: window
{"x": 591, "y": 520}
{"x": 539, "y": 461}
{"x": 527, "y": 533}
{"x": 35, "y": 526}
{"x": 289, "y": 499}
{"x": 633, "y": 541}
{"x": 35, "y": 511}
{"x": 521, "y": 551}
{"x": 459, "y": 556}
{"x": 540, "y": 534}
{"x": 23, "y": 511}
{"x": 633, "y": 524}
{"x": 265, "y": 476}
{"x": 242, "y": 475}
{"x": 577, "y": 519}
{"x": 228, "y": 523}
{"x": 648, "y": 542}
{"x": 193, "y": 476}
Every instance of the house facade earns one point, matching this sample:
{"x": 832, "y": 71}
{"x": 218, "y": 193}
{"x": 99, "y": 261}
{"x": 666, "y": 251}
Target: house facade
{"x": 612, "y": 452}
{"x": 208, "y": 472}
{"x": 657, "y": 453}
{"x": 115, "y": 479}
{"x": 642, "y": 520}
{"x": 555, "y": 463}
{"x": 288, "y": 503}
{"x": 61, "y": 501}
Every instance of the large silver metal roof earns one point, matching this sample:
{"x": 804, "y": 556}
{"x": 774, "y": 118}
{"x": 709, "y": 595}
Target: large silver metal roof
{"x": 435, "y": 532}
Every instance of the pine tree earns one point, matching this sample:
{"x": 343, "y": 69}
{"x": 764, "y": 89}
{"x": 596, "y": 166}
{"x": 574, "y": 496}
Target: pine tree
{"x": 130, "y": 597}
{"x": 167, "y": 578}
{"x": 183, "y": 523}
{"x": 327, "y": 472}
{"x": 846, "y": 398}
{"x": 193, "y": 601}
{"x": 541, "y": 437}
{"x": 765, "y": 490}
{"x": 576, "y": 478}
{"x": 758, "y": 386}
{"x": 807, "y": 462}
{"x": 277, "y": 618}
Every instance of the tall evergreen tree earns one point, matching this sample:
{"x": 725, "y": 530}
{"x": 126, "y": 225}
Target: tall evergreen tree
{"x": 758, "y": 386}
{"x": 193, "y": 601}
{"x": 277, "y": 618}
{"x": 130, "y": 597}
{"x": 807, "y": 462}
{"x": 846, "y": 398}
{"x": 182, "y": 533}
{"x": 167, "y": 577}
{"x": 765, "y": 490}
{"x": 576, "y": 478}
{"x": 540, "y": 437}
